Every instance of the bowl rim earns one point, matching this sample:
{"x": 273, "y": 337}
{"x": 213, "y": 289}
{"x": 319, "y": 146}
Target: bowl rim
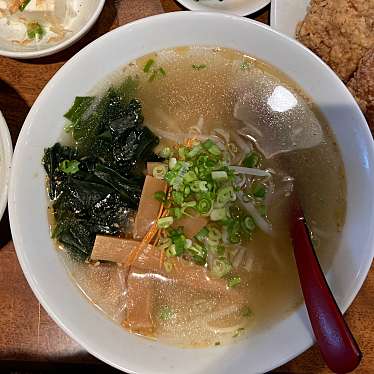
{"x": 18, "y": 244}
{"x": 25, "y": 55}
{"x": 6, "y": 144}
{"x": 244, "y": 10}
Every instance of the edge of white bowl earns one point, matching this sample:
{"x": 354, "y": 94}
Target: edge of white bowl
{"x": 25, "y": 55}
{"x": 14, "y": 228}
{"x": 6, "y": 144}
{"x": 246, "y": 10}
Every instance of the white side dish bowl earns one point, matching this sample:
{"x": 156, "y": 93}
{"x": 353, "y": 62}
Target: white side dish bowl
{"x": 286, "y": 14}
{"x": 235, "y": 7}
{"x": 6, "y": 151}
{"x": 85, "y": 14}
{"x": 28, "y": 200}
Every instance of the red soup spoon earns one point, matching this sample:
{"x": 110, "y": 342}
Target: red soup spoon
{"x": 334, "y": 339}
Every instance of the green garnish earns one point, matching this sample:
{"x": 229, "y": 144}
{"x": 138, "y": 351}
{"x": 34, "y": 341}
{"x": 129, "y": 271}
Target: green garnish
{"x": 160, "y": 196}
{"x": 69, "y": 167}
{"x": 35, "y": 30}
{"x": 198, "y": 66}
{"x": 166, "y": 313}
{"x": 159, "y": 171}
{"x": 148, "y": 65}
{"x": 164, "y": 222}
{"x": 258, "y": 190}
{"x": 221, "y": 267}
{"x": 152, "y": 71}
{"x": 252, "y": 160}
{"x": 201, "y": 183}
{"x": 24, "y": 4}
{"x": 238, "y": 331}
{"x": 233, "y": 282}
{"x": 247, "y": 312}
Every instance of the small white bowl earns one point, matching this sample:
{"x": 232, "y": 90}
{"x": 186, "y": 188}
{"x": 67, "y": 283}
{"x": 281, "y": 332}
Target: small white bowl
{"x": 6, "y": 151}
{"x": 28, "y": 202}
{"x": 286, "y": 14}
{"x": 87, "y": 15}
{"x": 235, "y": 7}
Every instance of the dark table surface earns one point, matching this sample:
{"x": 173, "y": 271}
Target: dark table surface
{"x": 29, "y": 339}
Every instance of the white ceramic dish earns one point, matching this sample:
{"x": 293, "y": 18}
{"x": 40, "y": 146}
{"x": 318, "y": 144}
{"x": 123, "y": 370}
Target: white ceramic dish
{"x": 286, "y": 14}
{"x": 6, "y": 151}
{"x": 235, "y": 7}
{"x": 43, "y": 127}
{"x": 87, "y": 14}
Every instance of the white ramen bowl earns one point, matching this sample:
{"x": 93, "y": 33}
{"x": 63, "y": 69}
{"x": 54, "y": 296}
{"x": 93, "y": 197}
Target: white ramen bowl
{"x": 6, "y": 151}
{"x": 87, "y": 14}
{"x": 44, "y": 125}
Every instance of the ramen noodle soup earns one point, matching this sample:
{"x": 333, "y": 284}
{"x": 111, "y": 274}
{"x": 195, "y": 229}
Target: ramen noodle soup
{"x": 170, "y": 192}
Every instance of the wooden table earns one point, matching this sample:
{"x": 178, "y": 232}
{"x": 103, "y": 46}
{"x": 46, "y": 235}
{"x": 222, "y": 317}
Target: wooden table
{"x": 29, "y": 339}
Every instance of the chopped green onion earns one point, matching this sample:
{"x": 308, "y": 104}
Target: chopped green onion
{"x": 180, "y": 244}
{"x": 159, "y": 171}
{"x": 218, "y": 214}
{"x": 148, "y": 65}
{"x": 225, "y": 195}
{"x": 214, "y": 150}
{"x": 221, "y": 267}
{"x": 219, "y": 175}
{"x": 198, "y": 66}
{"x": 166, "y": 152}
{"x": 245, "y": 65}
{"x": 203, "y": 233}
{"x": 24, "y": 4}
{"x": 194, "y": 151}
{"x": 247, "y": 312}
{"x": 166, "y": 313}
{"x": 234, "y": 232}
{"x": 238, "y": 331}
{"x": 178, "y": 197}
{"x": 172, "y": 163}
{"x": 204, "y": 206}
{"x": 164, "y": 222}
{"x": 189, "y": 177}
{"x": 214, "y": 234}
{"x": 207, "y": 144}
{"x": 187, "y": 191}
{"x": 168, "y": 266}
{"x": 162, "y": 71}
{"x": 35, "y": 30}
{"x": 258, "y": 190}
{"x": 176, "y": 212}
{"x": 233, "y": 282}
{"x": 171, "y": 251}
{"x": 252, "y": 160}
{"x": 69, "y": 167}
{"x": 160, "y": 196}
{"x": 248, "y": 224}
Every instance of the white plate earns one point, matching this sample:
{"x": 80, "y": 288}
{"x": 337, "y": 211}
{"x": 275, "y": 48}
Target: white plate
{"x": 6, "y": 151}
{"x": 286, "y": 14}
{"x": 44, "y": 125}
{"x": 235, "y": 7}
{"x": 87, "y": 14}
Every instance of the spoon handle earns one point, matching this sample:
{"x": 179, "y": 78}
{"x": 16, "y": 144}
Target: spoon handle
{"x": 336, "y": 342}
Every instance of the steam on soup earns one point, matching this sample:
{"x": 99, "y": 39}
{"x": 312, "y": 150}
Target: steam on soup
{"x": 170, "y": 198}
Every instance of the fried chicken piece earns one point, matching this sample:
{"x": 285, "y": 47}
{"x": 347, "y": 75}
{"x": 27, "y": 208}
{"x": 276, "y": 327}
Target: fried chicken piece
{"x": 362, "y": 86}
{"x": 340, "y": 32}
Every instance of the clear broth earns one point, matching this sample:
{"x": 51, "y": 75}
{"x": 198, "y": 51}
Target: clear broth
{"x": 173, "y": 104}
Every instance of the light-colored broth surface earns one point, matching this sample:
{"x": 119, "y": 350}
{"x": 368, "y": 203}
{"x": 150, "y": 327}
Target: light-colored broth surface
{"x": 208, "y": 93}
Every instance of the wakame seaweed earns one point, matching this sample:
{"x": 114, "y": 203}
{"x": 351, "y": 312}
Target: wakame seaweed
{"x": 96, "y": 183}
